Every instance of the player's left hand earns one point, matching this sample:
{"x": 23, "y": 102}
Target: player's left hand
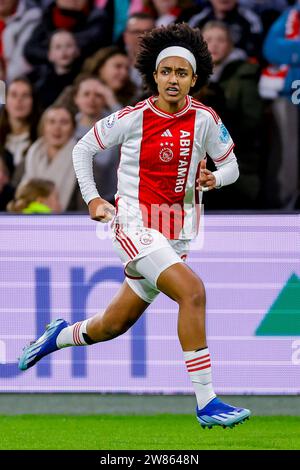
{"x": 207, "y": 179}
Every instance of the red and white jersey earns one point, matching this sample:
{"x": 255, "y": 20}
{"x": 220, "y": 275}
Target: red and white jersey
{"x": 159, "y": 163}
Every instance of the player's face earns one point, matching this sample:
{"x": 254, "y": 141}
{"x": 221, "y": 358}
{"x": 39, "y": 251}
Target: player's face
{"x": 58, "y": 127}
{"x": 174, "y": 78}
{"x": 218, "y": 44}
{"x": 19, "y": 100}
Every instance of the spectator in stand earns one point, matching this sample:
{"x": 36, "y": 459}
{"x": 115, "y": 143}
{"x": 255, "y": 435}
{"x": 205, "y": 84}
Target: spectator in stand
{"x": 18, "y": 123}
{"x": 279, "y": 83}
{"x": 61, "y": 70}
{"x": 137, "y": 24}
{"x": 37, "y": 196}
{"x": 7, "y": 190}
{"x": 245, "y": 26}
{"x": 259, "y": 6}
{"x": 267, "y": 10}
{"x": 132, "y": 6}
{"x": 166, "y": 11}
{"x": 42, "y": 3}
{"x": 111, "y": 66}
{"x": 282, "y": 46}
{"x": 91, "y": 100}
{"x": 244, "y": 111}
{"x": 195, "y": 8}
{"x": 85, "y": 21}
{"x": 17, "y": 20}
{"x": 50, "y": 157}
{"x": 118, "y": 12}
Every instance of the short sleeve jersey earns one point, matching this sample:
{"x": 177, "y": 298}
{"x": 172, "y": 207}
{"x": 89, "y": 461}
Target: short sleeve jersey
{"x": 159, "y": 162}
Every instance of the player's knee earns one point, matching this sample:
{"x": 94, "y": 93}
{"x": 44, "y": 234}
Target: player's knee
{"x": 194, "y": 294}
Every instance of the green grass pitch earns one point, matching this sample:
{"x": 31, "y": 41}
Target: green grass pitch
{"x": 164, "y": 432}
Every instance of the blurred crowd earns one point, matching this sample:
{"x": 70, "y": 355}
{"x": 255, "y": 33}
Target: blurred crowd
{"x": 68, "y": 63}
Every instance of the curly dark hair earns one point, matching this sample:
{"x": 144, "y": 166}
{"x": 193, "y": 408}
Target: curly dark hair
{"x": 181, "y": 34}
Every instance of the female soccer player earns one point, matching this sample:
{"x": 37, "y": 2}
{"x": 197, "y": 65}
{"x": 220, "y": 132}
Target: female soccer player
{"x": 164, "y": 144}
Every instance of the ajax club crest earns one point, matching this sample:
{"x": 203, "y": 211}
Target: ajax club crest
{"x": 146, "y": 238}
{"x": 166, "y": 153}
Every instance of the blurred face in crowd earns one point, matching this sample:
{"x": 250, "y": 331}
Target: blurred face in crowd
{"x": 115, "y": 71}
{"x": 57, "y": 127}
{"x": 52, "y": 201}
{"x": 76, "y": 5}
{"x": 7, "y": 7}
{"x": 62, "y": 49}
{"x": 19, "y": 100}
{"x": 164, "y": 6}
{"x": 135, "y": 28}
{"x": 219, "y": 43}
{"x": 223, "y": 6}
{"x": 89, "y": 98}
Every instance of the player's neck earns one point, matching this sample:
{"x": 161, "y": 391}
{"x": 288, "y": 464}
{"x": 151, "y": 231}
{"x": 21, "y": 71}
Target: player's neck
{"x": 170, "y": 107}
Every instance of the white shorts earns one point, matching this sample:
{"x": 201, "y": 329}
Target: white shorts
{"x": 145, "y": 254}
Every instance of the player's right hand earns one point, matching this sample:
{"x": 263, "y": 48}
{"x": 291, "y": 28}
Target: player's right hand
{"x": 207, "y": 179}
{"x": 101, "y": 210}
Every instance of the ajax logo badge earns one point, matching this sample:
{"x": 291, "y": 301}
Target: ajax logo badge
{"x": 166, "y": 154}
{"x": 146, "y": 238}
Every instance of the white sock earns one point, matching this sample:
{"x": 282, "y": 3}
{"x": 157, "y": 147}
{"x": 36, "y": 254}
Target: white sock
{"x": 73, "y": 335}
{"x": 199, "y": 369}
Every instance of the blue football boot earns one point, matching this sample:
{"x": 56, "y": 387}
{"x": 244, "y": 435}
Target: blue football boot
{"x": 217, "y": 413}
{"x": 44, "y": 345}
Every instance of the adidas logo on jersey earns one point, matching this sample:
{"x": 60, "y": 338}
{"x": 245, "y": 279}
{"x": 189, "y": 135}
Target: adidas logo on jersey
{"x": 167, "y": 133}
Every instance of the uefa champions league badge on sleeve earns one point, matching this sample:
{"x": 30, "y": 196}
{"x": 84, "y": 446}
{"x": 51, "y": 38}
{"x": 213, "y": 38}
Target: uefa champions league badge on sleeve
{"x": 110, "y": 120}
{"x": 223, "y": 134}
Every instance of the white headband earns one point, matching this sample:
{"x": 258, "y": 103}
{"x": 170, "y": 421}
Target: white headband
{"x": 177, "y": 51}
